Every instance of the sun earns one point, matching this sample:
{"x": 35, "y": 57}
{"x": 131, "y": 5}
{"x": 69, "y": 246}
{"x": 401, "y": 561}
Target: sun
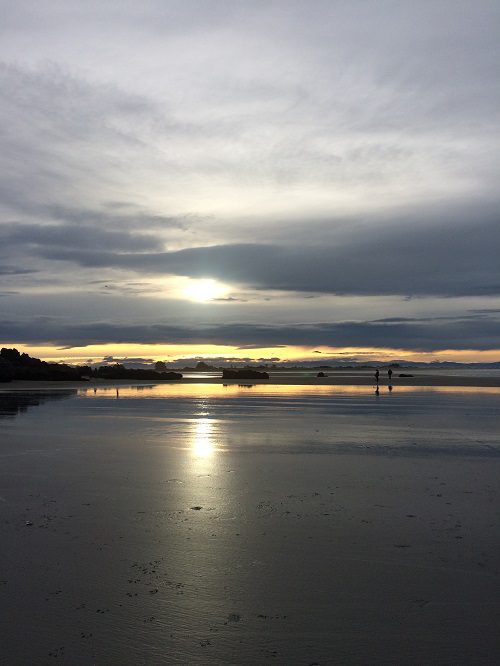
{"x": 203, "y": 291}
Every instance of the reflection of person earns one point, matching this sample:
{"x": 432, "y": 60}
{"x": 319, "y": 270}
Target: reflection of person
{"x": 389, "y": 372}
{"x": 390, "y": 387}
{"x": 377, "y": 374}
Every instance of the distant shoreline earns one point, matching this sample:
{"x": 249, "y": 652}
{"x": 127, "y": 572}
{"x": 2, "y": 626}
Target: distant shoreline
{"x": 418, "y": 380}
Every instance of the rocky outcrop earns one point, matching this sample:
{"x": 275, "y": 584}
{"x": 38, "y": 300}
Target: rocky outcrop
{"x": 14, "y": 365}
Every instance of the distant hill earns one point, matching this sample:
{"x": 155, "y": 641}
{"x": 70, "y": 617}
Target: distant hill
{"x": 119, "y": 371}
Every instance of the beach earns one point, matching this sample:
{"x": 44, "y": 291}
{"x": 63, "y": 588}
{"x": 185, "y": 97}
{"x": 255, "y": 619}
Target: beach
{"x": 202, "y": 523}
{"x": 249, "y": 264}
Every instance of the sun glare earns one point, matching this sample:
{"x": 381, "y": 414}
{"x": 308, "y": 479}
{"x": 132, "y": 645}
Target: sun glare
{"x": 203, "y": 445}
{"x": 203, "y": 291}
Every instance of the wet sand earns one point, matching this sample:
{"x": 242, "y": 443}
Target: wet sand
{"x": 249, "y": 526}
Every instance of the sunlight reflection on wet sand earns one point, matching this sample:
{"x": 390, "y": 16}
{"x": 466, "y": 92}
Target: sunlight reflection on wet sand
{"x": 202, "y": 444}
{"x": 293, "y": 390}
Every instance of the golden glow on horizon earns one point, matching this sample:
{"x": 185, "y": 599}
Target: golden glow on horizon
{"x": 203, "y": 291}
{"x": 170, "y": 353}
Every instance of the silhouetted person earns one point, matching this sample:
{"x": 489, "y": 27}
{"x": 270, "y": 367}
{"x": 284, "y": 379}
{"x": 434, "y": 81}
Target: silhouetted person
{"x": 389, "y": 372}
{"x": 377, "y": 375}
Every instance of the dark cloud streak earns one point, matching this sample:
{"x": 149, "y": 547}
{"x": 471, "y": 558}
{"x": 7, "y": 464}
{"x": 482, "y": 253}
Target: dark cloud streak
{"x": 81, "y": 236}
{"x": 415, "y": 335}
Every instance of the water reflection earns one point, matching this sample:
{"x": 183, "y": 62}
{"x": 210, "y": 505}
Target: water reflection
{"x": 203, "y": 441}
{"x": 12, "y": 404}
{"x": 203, "y": 391}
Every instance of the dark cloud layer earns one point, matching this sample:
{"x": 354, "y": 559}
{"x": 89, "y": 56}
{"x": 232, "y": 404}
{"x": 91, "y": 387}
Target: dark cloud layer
{"x": 14, "y": 270}
{"x": 417, "y": 335}
{"x": 81, "y": 236}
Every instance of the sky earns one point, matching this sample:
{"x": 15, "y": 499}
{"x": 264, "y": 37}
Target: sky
{"x": 284, "y": 180}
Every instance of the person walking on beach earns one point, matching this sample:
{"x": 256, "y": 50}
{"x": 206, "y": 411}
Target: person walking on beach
{"x": 377, "y": 374}
{"x": 389, "y": 372}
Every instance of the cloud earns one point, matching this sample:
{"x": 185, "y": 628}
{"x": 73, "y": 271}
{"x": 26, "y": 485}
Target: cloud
{"x": 229, "y": 299}
{"x": 456, "y": 333}
{"x": 72, "y": 145}
{"x": 69, "y": 236}
{"x": 116, "y": 214}
{"x": 14, "y": 270}
{"x": 456, "y": 259}
{"x": 209, "y": 360}
{"x": 257, "y": 346}
{"x": 131, "y": 362}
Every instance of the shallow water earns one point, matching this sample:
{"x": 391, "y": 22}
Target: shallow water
{"x": 274, "y": 418}
{"x": 211, "y": 524}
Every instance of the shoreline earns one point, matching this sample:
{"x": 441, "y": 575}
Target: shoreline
{"x": 420, "y": 380}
